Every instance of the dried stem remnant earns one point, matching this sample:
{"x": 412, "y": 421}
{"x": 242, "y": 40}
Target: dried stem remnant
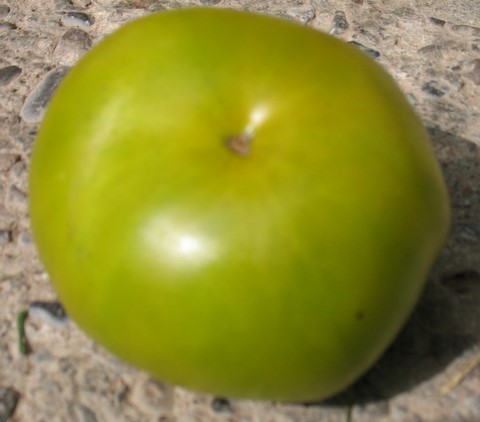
{"x": 240, "y": 144}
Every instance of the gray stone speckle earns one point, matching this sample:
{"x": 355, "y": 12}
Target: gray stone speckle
{"x": 97, "y": 380}
{"x": 51, "y": 312}
{"x": 36, "y": 103}
{"x": 8, "y": 74}
{"x": 77, "y": 19}
{"x": 433, "y": 89}
{"x": 221, "y": 405}
{"x": 367, "y": 35}
{"x": 152, "y": 395}
{"x": 8, "y": 402}
{"x": 6, "y": 27}
{"x": 340, "y": 24}
{"x": 73, "y": 43}
{"x": 370, "y": 51}
{"x": 4, "y": 10}
{"x": 467, "y": 234}
{"x": 25, "y": 238}
{"x": 302, "y": 15}
{"x": 436, "y": 21}
{"x": 210, "y": 2}
{"x": 5, "y": 236}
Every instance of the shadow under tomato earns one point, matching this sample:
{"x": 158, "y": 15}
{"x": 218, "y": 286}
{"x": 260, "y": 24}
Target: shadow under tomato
{"x": 442, "y": 326}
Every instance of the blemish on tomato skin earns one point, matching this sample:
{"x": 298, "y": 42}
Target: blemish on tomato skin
{"x": 359, "y": 315}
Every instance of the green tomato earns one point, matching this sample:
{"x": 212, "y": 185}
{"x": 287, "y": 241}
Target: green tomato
{"x": 236, "y": 203}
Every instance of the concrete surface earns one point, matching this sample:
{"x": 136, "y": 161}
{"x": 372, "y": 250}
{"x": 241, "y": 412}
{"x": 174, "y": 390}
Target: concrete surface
{"x": 432, "y": 48}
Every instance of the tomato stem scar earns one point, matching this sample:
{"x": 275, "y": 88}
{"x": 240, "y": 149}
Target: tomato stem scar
{"x": 240, "y": 144}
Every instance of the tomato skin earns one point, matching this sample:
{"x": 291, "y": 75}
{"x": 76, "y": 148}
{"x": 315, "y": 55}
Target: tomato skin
{"x": 282, "y": 273}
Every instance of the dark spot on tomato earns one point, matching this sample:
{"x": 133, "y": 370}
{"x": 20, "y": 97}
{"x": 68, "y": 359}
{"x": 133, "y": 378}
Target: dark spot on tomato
{"x": 359, "y": 315}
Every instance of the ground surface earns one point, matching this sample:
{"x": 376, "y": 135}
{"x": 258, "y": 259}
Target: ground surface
{"x": 433, "y": 50}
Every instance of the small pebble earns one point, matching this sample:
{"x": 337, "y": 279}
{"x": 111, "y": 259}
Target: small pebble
{"x": 73, "y": 44}
{"x": 25, "y": 238}
{"x": 370, "y": 51}
{"x": 468, "y": 235}
{"x": 152, "y": 394}
{"x": 4, "y": 10}
{"x": 77, "y": 37}
{"x": 62, "y": 4}
{"x": 6, "y": 26}
{"x": 8, "y": 402}
{"x": 51, "y": 312}
{"x": 77, "y": 19}
{"x": 8, "y": 74}
{"x": 432, "y": 89}
{"x": 340, "y": 24}
{"x": 221, "y": 405}
{"x": 307, "y": 16}
{"x": 34, "y": 107}
{"x": 436, "y": 21}
{"x": 302, "y": 15}
{"x": 367, "y": 35}
{"x": 156, "y": 7}
{"x": 412, "y": 99}
{"x": 5, "y": 236}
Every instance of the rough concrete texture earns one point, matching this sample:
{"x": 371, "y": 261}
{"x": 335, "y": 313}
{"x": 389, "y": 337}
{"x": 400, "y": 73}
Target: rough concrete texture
{"x": 432, "y": 48}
